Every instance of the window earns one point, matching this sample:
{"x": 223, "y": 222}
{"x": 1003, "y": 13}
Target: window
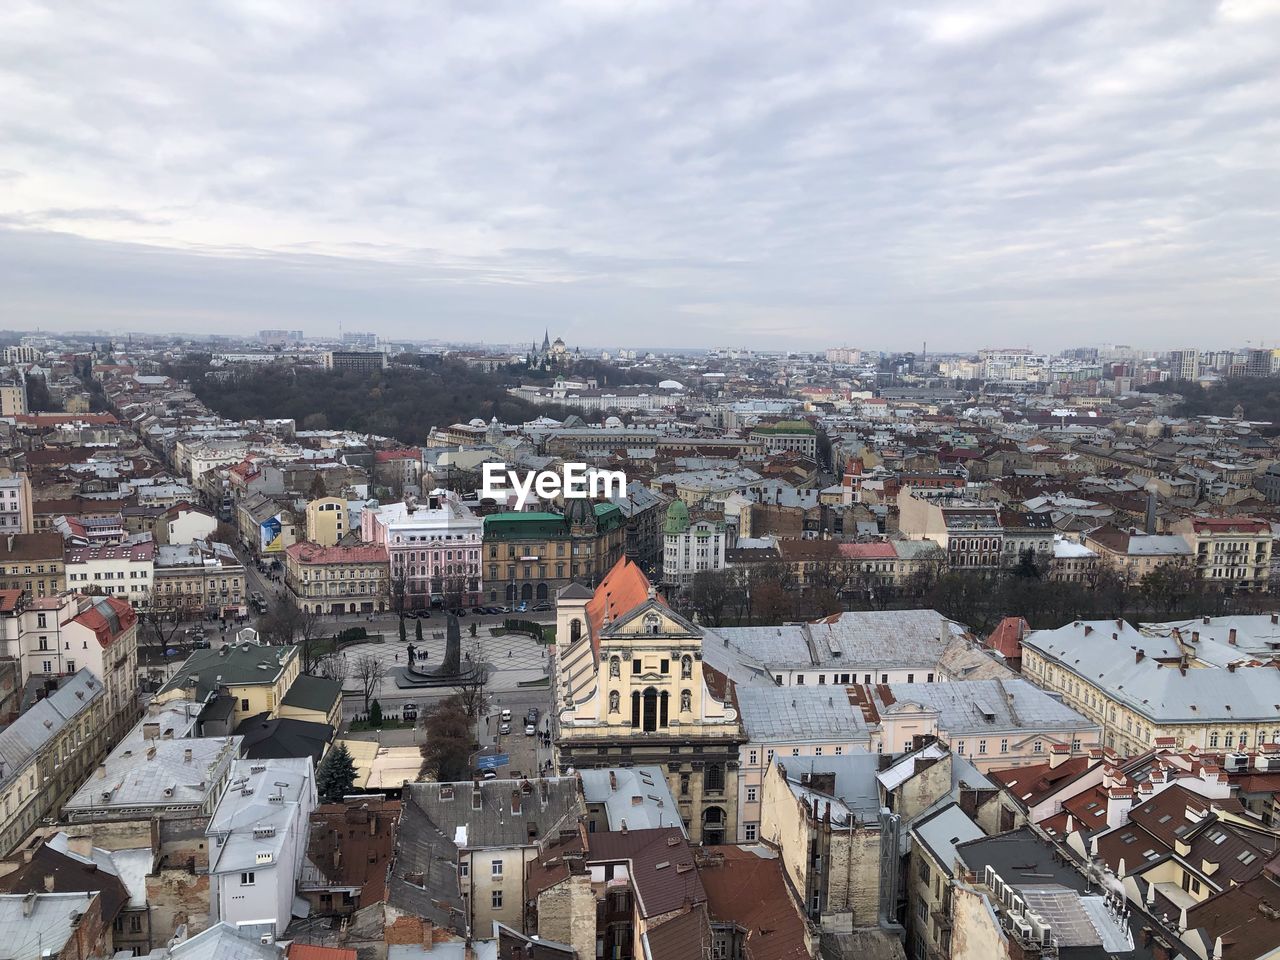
{"x": 1213, "y": 739}
{"x": 247, "y": 879}
{"x": 635, "y": 667}
{"x": 684, "y": 784}
{"x": 749, "y": 832}
{"x": 1004, "y": 746}
{"x": 884, "y": 678}
{"x": 496, "y": 899}
{"x": 960, "y": 747}
{"x": 839, "y": 751}
{"x": 928, "y": 678}
{"x": 1038, "y": 746}
{"x": 495, "y": 868}
{"x": 799, "y": 679}
{"x": 752, "y": 794}
{"x": 715, "y": 778}
{"x": 982, "y": 746}
{"x": 752, "y": 757}
{"x": 911, "y": 678}
{"x": 244, "y": 704}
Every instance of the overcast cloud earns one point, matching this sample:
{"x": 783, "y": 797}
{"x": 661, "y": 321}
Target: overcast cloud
{"x": 654, "y": 173}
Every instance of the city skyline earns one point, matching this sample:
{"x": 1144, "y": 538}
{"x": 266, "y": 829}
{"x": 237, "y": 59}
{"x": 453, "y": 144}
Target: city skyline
{"x": 1054, "y": 174}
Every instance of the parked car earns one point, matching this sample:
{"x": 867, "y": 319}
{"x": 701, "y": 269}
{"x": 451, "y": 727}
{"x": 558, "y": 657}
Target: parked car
{"x": 478, "y": 610}
{"x": 489, "y": 775}
{"x": 522, "y": 607}
{"x": 504, "y": 729}
{"x": 530, "y": 729}
{"x": 541, "y": 606}
{"x": 506, "y": 715}
{"x": 409, "y": 712}
{"x": 532, "y": 715}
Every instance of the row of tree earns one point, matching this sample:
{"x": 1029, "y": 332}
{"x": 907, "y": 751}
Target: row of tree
{"x": 768, "y": 593}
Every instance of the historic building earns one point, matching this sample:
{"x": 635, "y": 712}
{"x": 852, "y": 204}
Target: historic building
{"x": 529, "y": 556}
{"x": 631, "y": 688}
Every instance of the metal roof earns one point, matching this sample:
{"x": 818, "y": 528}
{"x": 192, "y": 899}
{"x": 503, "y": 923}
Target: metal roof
{"x": 787, "y": 714}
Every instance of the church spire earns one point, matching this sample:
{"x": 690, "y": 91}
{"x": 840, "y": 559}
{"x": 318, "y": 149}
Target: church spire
{"x": 546, "y": 339}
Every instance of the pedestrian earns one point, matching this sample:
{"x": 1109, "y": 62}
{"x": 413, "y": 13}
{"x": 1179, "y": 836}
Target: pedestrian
{"x": 397, "y": 658}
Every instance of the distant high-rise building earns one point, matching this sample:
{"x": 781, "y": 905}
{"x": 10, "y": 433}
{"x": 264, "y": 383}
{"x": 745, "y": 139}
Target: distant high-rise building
{"x": 1184, "y": 364}
{"x": 1260, "y": 363}
{"x": 365, "y": 361}
{"x": 360, "y": 341}
{"x": 280, "y": 338}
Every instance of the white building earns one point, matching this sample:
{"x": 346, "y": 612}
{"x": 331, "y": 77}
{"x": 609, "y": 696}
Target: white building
{"x": 258, "y": 840}
{"x": 434, "y": 546}
{"x": 690, "y": 548}
{"x": 119, "y": 570}
{"x": 786, "y": 722}
{"x": 15, "y": 503}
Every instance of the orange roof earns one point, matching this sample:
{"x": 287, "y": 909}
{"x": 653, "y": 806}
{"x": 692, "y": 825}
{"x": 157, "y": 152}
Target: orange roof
{"x": 1006, "y": 639}
{"x": 9, "y": 600}
{"x": 309, "y": 951}
{"x": 305, "y": 552}
{"x": 623, "y": 589}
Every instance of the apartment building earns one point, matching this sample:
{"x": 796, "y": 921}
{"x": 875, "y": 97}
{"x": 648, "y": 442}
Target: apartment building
{"x": 242, "y": 680}
{"x": 968, "y": 530}
{"x": 15, "y": 503}
{"x": 1134, "y": 555}
{"x": 258, "y": 842}
{"x": 338, "y": 579}
{"x": 1230, "y": 553}
{"x": 787, "y": 436}
{"x": 690, "y": 548}
{"x": 530, "y": 556}
{"x": 198, "y": 579}
{"x": 786, "y": 723}
{"x": 32, "y": 562}
{"x": 355, "y": 361}
{"x": 117, "y": 570}
{"x": 1138, "y": 686}
{"x": 326, "y": 520}
{"x": 433, "y": 549}
{"x": 47, "y": 751}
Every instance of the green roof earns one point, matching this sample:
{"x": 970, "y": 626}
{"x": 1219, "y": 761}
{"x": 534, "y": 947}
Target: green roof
{"x": 542, "y": 525}
{"x": 238, "y": 665}
{"x": 677, "y": 519}
{"x": 785, "y": 426}
{"x": 313, "y": 693}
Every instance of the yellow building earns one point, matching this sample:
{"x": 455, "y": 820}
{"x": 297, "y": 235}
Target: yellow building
{"x": 255, "y": 679}
{"x": 338, "y": 579}
{"x": 326, "y": 520}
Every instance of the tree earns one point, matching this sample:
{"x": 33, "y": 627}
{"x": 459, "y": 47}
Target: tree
{"x": 368, "y": 671}
{"x": 709, "y": 595}
{"x": 399, "y": 587}
{"x": 447, "y": 750}
{"x": 335, "y": 667}
{"x": 417, "y": 631}
{"x": 336, "y": 775}
{"x": 375, "y": 714}
{"x": 473, "y": 688}
{"x": 404, "y": 636}
{"x": 317, "y": 488}
{"x": 288, "y": 623}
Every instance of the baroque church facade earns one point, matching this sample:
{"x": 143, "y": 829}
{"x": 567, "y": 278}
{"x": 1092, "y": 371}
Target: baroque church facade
{"x": 632, "y": 689}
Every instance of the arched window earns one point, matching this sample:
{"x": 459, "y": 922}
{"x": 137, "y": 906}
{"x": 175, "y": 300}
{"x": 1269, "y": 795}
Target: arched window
{"x": 575, "y": 630}
{"x": 650, "y": 718}
{"x": 615, "y": 665}
{"x": 686, "y": 667}
{"x": 615, "y": 701}
{"x": 686, "y": 701}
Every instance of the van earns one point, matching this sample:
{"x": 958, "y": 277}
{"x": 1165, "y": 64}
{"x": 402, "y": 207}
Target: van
{"x": 506, "y": 716}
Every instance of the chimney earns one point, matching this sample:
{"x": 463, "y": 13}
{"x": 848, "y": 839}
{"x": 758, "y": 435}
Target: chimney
{"x": 186, "y": 755}
{"x": 1231, "y": 667}
{"x": 1231, "y": 636}
{"x": 1137, "y": 657}
{"x": 1058, "y": 753}
{"x": 1195, "y": 636}
{"x": 1087, "y": 629}
{"x": 1206, "y": 620}
{"x": 49, "y": 882}
{"x": 1275, "y": 618}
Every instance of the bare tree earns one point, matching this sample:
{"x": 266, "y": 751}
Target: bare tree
{"x": 399, "y": 587}
{"x": 334, "y": 667}
{"x": 289, "y": 623}
{"x": 473, "y": 687}
{"x": 368, "y": 671}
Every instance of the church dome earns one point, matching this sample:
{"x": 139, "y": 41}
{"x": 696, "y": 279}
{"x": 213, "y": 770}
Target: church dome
{"x": 579, "y": 511}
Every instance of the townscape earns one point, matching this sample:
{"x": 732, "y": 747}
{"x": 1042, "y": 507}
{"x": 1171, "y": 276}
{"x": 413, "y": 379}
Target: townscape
{"x": 940, "y": 655}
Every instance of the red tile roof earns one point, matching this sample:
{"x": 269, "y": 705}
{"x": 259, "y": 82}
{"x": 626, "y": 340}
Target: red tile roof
{"x": 868, "y": 551}
{"x": 9, "y": 600}
{"x": 108, "y": 618}
{"x": 1006, "y": 639}
{"x": 309, "y": 951}
{"x": 751, "y": 891}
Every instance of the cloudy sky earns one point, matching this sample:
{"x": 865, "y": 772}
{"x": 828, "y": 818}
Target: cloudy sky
{"x": 654, "y": 173}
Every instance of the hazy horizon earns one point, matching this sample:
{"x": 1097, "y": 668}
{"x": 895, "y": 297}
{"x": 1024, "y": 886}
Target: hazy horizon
{"x": 775, "y": 176}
